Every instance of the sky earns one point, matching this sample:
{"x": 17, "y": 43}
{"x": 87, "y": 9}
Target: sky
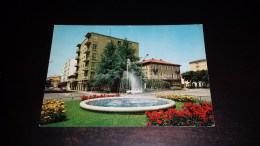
{"x": 178, "y": 44}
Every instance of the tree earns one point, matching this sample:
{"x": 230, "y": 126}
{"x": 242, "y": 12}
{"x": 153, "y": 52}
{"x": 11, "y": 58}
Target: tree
{"x": 108, "y": 72}
{"x": 113, "y": 64}
{"x": 196, "y": 76}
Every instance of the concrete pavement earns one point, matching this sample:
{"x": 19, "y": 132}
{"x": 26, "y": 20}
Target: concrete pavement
{"x": 203, "y": 94}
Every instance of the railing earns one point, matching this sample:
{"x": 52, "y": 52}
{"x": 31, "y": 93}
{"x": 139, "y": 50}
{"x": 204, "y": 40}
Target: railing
{"x": 88, "y": 41}
{"x": 76, "y": 64}
{"x": 86, "y": 50}
{"x": 84, "y": 78}
{"x": 85, "y": 59}
{"x": 85, "y": 68}
{"x": 77, "y": 51}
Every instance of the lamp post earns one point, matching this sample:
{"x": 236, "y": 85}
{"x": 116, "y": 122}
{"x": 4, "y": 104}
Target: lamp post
{"x": 142, "y": 71}
{"x": 128, "y": 62}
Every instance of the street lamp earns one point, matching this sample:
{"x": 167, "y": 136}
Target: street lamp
{"x": 142, "y": 70}
{"x": 128, "y": 62}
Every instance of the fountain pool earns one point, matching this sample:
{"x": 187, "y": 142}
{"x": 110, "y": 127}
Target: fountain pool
{"x": 126, "y": 104}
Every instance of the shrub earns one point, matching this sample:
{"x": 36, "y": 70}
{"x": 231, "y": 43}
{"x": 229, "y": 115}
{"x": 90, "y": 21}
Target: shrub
{"x": 53, "y": 110}
{"x": 93, "y": 96}
{"x": 178, "y": 97}
{"x": 176, "y": 88}
{"x": 191, "y": 115}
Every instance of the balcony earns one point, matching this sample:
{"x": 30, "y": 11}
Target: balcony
{"x": 86, "y": 51}
{"x": 77, "y": 57}
{"x": 88, "y": 42}
{"x": 84, "y": 78}
{"x": 85, "y": 68}
{"x": 76, "y": 65}
{"x": 77, "y": 51}
{"x": 75, "y": 72}
{"x": 85, "y": 60}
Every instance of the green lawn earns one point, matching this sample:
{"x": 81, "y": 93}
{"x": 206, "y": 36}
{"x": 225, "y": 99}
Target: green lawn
{"x": 81, "y": 117}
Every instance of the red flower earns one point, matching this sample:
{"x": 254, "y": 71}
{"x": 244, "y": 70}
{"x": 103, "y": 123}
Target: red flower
{"x": 159, "y": 122}
{"x": 149, "y": 124}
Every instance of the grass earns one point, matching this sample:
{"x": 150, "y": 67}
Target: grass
{"x": 78, "y": 117}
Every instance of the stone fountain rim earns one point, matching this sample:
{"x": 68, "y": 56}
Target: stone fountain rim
{"x": 126, "y": 109}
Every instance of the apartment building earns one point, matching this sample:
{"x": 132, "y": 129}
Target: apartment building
{"x": 89, "y": 54}
{"x": 198, "y": 65}
{"x": 68, "y": 69}
{"x": 55, "y": 80}
{"x": 162, "y": 70}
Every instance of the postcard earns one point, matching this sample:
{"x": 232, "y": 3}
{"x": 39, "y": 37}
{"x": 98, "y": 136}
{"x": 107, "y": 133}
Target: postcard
{"x": 127, "y": 76}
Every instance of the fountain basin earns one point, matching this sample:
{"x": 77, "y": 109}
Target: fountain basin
{"x": 127, "y": 104}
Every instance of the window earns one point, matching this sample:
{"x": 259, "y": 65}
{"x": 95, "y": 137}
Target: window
{"x": 94, "y": 56}
{"x": 160, "y": 67}
{"x": 92, "y": 65}
{"x": 109, "y": 41}
{"x": 92, "y": 74}
{"x": 119, "y": 42}
{"x": 166, "y": 67}
{"x": 94, "y": 47}
{"x": 95, "y": 38}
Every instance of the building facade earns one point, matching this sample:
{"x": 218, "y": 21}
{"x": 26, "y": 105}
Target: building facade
{"x": 55, "y": 80}
{"x": 162, "y": 70}
{"x": 196, "y": 65}
{"x": 89, "y": 54}
{"x": 68, "y": 69}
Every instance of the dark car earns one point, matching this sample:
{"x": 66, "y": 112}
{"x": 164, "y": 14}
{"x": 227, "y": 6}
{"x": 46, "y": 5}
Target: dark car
{"x": 63, "y": 89}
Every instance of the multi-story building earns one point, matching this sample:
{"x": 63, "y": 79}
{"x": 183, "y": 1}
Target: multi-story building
{"x": 55, "y": 80}
{"x": 198, "y": 65}
{"x": 68, "y": 70}
{"x": 162, "y": 70}
{"x": 89, "y": 54}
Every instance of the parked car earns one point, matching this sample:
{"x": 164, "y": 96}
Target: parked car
{"x": 46, "y": 89}
{"x": 63, "y": 89}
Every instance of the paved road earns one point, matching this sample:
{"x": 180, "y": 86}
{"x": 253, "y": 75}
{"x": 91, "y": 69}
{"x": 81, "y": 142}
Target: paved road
{"x": 204, "y": 94}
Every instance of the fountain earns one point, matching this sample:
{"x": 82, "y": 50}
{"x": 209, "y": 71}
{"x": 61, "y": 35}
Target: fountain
{"x": 127, "y": 104}
{"x": 130, "y": 83}
{"x": 135, "y": 84}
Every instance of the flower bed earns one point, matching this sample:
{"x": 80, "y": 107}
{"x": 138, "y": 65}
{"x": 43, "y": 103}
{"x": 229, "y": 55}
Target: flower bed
{"x": 176, "y": 88}
{"x": 177, "y": 97}
{"x": 93, "y": 96}
{"x": 191, "y": 115}
{"x": 53, "y": 110}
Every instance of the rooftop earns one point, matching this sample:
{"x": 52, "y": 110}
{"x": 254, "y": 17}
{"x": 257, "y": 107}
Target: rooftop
{"x": 89, "y": 33}
{"x": 200, "y": 60}
{"x": 159, "y": 62}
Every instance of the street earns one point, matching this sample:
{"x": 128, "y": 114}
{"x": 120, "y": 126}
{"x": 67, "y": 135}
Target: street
{"x": 203, "y": 94}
